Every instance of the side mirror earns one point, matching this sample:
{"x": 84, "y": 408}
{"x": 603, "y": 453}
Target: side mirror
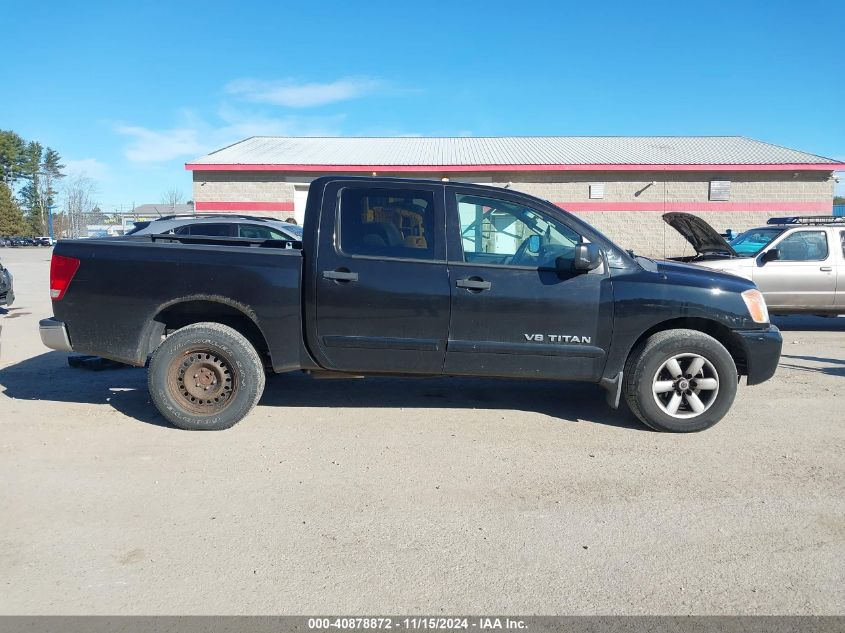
{"x": 534, "y": 244}
{"x": 587, "y": 257}
{"x": 770, "y": 256}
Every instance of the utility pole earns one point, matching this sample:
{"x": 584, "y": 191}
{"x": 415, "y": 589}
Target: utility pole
{"x": 50, "y": 220}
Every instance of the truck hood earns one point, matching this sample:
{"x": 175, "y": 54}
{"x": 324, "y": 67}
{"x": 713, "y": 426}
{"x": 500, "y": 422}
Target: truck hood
{"x": 703, "y": 276}
{"x": 703, "y": 237}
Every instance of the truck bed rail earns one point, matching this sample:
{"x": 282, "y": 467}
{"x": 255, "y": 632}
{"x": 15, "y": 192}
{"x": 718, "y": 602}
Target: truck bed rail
{"x": 225, "y": 241}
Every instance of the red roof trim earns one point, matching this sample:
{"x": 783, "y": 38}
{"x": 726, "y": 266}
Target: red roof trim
{"x": 820, "y": 206}
{"x": 243, "y": 206}
{"x": 471, "y": 168}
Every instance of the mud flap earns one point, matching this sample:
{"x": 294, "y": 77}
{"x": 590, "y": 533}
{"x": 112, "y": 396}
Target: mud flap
{"x": 613, "y": 390}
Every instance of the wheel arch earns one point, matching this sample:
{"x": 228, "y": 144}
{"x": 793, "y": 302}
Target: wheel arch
{"x": 727, "y": 337}
{"x": 186, "y": 311}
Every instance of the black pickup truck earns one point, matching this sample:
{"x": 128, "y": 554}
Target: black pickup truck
{"x": 416, "y": 278}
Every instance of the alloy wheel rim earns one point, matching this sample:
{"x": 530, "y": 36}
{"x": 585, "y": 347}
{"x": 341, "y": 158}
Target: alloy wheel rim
{"x": 685, "y": 386}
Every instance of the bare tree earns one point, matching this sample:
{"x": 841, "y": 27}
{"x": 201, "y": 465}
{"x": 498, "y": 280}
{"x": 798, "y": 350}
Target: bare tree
{"x": 172, "y": 196}
{"x": 79, "y": 201}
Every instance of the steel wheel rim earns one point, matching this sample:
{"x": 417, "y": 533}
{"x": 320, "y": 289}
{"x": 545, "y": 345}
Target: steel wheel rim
{"x": 685, "y": 386}
{"x": 202, "y": 381}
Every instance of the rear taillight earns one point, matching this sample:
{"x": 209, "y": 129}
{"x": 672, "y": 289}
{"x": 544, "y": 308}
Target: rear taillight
{"x": 62, "y": 270}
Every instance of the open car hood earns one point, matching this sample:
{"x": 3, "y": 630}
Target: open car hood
{"x": 703, "y": 237}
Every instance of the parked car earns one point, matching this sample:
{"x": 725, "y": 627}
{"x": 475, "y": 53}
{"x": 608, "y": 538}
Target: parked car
{"x": 797, "y": 262}
{"x": 220, "y": 225}
{"x": 7, "y": 293}
{"x": 412, "y": 277}
{"x": 44, "y": 241}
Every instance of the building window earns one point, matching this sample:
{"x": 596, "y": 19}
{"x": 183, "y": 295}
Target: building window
{"x": 597, "y": 191}
{"x": 720, "y": 190}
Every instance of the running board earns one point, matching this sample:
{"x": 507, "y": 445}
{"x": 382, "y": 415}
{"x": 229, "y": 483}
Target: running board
{"x": 331, "y": 375}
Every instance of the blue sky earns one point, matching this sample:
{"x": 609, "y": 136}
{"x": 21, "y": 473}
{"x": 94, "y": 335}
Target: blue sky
{"x": 130, "y": 91}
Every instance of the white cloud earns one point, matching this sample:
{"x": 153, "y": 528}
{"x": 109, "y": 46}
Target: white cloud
{"x": 160, "y": 145}
{"x": 194, "y": 136}
{"x": 289, "y": 93}
{"x": 86, "y": 167}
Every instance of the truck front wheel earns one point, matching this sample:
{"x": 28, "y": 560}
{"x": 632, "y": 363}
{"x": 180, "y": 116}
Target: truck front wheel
{"x": 205, "y": 377}
{"x": 680, "y": 380}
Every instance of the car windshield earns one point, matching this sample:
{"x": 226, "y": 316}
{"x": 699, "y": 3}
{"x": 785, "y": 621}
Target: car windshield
{"x": 293, "y": 229}
{"x": 753, "y": 241}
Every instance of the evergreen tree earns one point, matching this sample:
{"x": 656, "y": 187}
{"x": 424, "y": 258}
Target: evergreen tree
{"x": 51, "y": 172}
{"x": 12, "y": 150}
{"x": 30, "y": 193}
{"x": 11, "y": 216}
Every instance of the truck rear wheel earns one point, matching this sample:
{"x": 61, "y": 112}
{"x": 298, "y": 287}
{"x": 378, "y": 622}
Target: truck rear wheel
{"x": 680, "y": 381}
{"x": 205, "y": 377}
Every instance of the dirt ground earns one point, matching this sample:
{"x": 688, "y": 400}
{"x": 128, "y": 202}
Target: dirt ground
{"x": 402, "y": 496}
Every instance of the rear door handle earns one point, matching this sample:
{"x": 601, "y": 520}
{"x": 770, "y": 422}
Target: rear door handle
{"x": 474, "y": 283}
{"x": 826, "y": 269}
{"x": 340, "y": 275}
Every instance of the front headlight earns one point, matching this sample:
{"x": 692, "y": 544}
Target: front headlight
{"x": 756, "y": 305}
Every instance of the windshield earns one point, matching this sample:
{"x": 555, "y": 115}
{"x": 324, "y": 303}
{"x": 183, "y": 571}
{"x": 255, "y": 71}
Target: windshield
{"x": 293, "y": 229}
{"x": 752, "y": 242}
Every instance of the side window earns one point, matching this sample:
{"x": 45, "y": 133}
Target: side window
{"x": 182, "y": 230}
{"x": 255, "y": 232}
{"x": 212, "y": 230}
{"x": 496, "y": 231}
{"x": 842, "y": 240}
{"x": 803, "y": 246}
{"x": 396, "y": 223}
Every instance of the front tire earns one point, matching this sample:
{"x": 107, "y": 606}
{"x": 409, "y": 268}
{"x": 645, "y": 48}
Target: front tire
{"x": 680, "y": 381}
{"x": 205, "y": 377}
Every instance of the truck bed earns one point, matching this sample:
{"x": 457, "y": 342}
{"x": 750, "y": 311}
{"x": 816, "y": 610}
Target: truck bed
{"x": 142, "y": 287}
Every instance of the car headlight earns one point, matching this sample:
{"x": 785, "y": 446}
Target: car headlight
{"x": 756, "y": 305}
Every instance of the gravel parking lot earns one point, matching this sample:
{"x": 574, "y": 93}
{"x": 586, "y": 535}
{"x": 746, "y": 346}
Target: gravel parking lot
{"x": 389, "y": 495}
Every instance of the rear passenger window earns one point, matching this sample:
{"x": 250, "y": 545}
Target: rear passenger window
{"x": 397, "y": 223}
{"x": 258, "y": 232}
{"x": 842, "y": 239}
{"x": 803, "y": 246}
{"x": 212, "y": 230}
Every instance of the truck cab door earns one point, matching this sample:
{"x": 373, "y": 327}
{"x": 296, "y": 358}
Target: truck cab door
{"x": 803, "y": 276}
{"x": 514, "y": 313}
{"x": 381, "y": 286}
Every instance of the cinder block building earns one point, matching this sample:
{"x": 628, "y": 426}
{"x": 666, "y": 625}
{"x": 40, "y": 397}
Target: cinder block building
{"x": 622, "y": 185}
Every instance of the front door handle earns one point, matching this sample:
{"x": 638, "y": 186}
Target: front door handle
{"x": 340, "y": 275}
{"x": 826, "y": 269}
{"x": 475, "y": 284}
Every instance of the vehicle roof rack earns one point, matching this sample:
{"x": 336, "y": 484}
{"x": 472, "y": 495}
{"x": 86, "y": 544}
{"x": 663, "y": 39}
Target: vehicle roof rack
{"x": 179, "y": 216}
{"x": 808, "y": 219}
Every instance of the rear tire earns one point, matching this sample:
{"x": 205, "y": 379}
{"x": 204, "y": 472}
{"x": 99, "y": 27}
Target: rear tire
{"x": 205, "y": 377}
{"x": 680, "y": 380}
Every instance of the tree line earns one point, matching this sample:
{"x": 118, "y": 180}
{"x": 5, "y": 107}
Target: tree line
{"x": 30, "y": 178}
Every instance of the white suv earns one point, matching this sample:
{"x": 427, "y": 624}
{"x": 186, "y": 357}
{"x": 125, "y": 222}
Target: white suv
{"x": 797, "y": 262}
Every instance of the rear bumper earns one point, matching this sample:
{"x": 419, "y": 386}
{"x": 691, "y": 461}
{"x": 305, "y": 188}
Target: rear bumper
{"x": 762, "y": 352}
{"x": 54, "y": 334}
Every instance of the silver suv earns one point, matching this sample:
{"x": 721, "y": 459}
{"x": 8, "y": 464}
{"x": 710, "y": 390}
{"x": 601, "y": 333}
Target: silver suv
{"x": 797, "y": 262}
{"x": 220, "y": 225}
